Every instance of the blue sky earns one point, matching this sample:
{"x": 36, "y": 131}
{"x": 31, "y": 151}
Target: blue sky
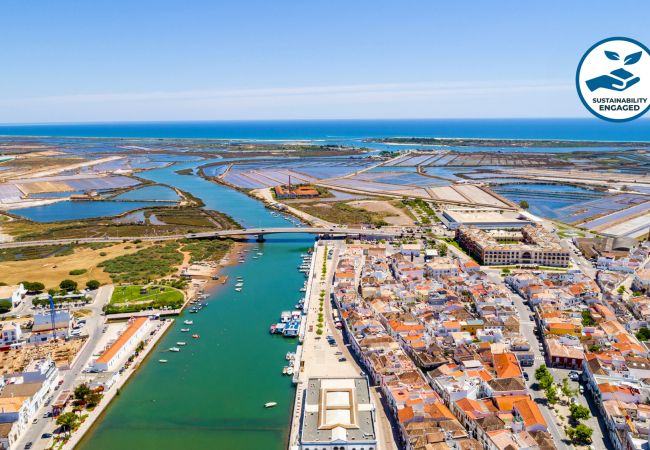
{"x": 69, "y": 61}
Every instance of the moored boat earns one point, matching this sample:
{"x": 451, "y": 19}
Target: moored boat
{"x": 174, "y": 349}
{"x": 270, "y": 404}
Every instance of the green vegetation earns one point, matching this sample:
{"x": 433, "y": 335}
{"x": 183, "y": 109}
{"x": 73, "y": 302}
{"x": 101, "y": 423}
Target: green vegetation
{"x": 68, "y": 285}
{"x": 342, "y": 213}
{"x": 78, "y": 272}
{"x": 138, "y": 297}
{"x": 206, "y": 250}
{"x": 587, "y": 320}
{"x": 36, "y": 252}
{"x": 5, "y": 306}
{"x": 643, "y": 334}
{"x": 92, "y": 284}
{"x": 524, "y": 204}
{"x": 579, "y": 412}
{"x": 68, "y": 421}
{"x": 33, "y": 286}
{"x": 145, "y": 265}
{"x": 581, "y": 434}
{"x": 621, "y": 290}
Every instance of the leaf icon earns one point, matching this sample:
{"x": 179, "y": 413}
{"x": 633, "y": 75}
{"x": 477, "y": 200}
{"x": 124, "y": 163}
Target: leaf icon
{"x": 612, "y": 55}
{"x": 632, "y": 58}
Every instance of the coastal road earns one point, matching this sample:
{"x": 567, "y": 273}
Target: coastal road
{"x": 94, "y": 326}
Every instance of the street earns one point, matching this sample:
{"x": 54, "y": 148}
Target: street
{"x": 93, "y": 327}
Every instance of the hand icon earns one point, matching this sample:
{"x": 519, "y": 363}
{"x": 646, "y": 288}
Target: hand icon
{"x": 618, "y": 80}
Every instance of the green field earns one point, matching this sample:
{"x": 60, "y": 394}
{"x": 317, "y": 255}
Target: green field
{"x": 129, "y": 298}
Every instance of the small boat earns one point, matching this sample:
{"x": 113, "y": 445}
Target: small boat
{"x": 290, "y": 371}
{"x": 174, "y": 349}
{"x": 259, "y": 253}
{"x": 303, "y": 289}
{"x": 185, "y": 330}
{"x": 163, "y": 361}
{"x": 284, "y": 370}
{"x": 238, "y": 289}
{"x": 290, "y": 356}
{"x": 181, "y": 343}
{"x": 270, "y": 404}
{"x": 188, "y": 322}
{"x": 195, "y": 336}
{"x": 240, "y": 284}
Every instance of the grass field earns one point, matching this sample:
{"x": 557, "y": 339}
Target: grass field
{"x": 148, "y": 264}
{"x": 50, "y": 270}
{"x": 342, "y": 213}
{"x": 130, "y": 298}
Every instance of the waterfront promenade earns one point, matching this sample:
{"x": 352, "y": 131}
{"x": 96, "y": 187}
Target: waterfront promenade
{"x": 319, "y": 359}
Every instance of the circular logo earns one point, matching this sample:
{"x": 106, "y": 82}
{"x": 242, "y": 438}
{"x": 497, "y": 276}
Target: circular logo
{"x": 613, "y": 79}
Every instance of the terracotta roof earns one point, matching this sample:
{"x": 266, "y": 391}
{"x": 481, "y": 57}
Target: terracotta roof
{"x": 119, "y": 342}
{"x": 529, "y": 412}
{"x": 506, "y": 365}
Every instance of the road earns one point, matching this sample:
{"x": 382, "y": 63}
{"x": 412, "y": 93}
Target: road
{"x": 94, "y": 325}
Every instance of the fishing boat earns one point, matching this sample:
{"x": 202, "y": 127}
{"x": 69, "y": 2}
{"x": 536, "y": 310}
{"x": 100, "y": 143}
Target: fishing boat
{"x": 174, "y": 349}
{"x": 188, "y": 322}
{"x": 270, "y": 404}
{"x": 181, "y": 343}
{"x": 195, "y": 336}
{"x": 163, "y": 361}
{"x": 185, "y": 330}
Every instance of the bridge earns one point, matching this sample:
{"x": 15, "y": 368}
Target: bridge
{"x": 239, "y": 233}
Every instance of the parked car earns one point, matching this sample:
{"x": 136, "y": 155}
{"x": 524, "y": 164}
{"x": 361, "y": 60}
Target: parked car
{"x": 574, "y": 376}
{"x": 342, "y": 359}
{"x": 526, "y": 377}
{"x": 28, "y": 445}
{"x": 46, "y": 435}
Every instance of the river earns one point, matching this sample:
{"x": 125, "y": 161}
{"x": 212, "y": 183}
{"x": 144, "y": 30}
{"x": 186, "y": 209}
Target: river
{"x": 211, "y": 394}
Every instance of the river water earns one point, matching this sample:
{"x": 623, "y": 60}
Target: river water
{"x": 211, "y": 394}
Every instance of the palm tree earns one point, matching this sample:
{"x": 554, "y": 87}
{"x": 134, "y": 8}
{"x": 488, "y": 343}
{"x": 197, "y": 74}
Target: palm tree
{"x": 68, "y": 421}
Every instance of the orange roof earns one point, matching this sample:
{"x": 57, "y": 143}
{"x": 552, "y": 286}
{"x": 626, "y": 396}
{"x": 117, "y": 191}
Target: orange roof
{"x": 119, "y": 342}
{"x": 405, "y": 414}
{"x": 451, "y": 324}
{"x": 506, "y": 365}
{"x": 505, "y": 402}
{"x": 562, "y": 326}
{"x": 529, "y": 412}
{"x": 439, "y": 411}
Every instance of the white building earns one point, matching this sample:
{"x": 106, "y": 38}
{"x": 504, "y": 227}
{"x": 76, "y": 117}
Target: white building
{"x": 338, "y": 415}
{"x": 11, "y": 333}
{"x": 14, "y": 294}
{"x": 123, "y": 346}
{"x": 43, "y": 329}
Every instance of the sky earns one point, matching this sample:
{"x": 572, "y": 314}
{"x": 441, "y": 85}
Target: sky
{"x": 93, "y": 61}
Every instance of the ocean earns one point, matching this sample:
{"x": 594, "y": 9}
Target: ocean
{"x": 340, "y": 130}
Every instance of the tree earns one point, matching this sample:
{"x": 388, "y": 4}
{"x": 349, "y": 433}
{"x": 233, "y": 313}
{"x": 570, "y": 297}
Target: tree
{"x": 92, "y": 399}
{"x": 587, "y": 320}
{"x": 68, "y": 421}
{"x": 579, "y": 412}
{"x": 524, "y": 204}
{"x": 566, "y": 388}
{"x": 33, "y": 286}
{"x": 643, "y": 334}
{"x": 581, "y": 434}
{"x": 68, "y": 285}
{"x": 543, "y": 377}
{"x": 92, "y": 284}
{"x": 81, "y": 392}
{"x": 551, "y": 394}
{"x": 5, "y": 306}
{"x": 442, "y": 249}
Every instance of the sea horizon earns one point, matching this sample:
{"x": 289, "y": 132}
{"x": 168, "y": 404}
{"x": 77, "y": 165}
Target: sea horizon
{"x": 567, "y": 129}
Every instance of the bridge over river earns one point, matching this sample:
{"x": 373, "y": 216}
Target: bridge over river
{"x": 238, "y": 233}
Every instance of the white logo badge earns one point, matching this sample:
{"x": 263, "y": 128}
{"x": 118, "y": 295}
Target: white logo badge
{"x": 613, "y": 79}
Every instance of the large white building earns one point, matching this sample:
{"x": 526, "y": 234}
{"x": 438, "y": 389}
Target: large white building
{"x": 14, "y": 294}
{"x": 487, "y": 219}
{"x": 338, "y": 415}
{"x": 123, "y": 346}
{"x": 43, "y": 329}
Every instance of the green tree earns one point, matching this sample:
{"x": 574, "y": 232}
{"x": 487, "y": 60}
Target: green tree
{"x": 5, "y": 306}
{"x": 579, "y": 412}
{"x": 581, "y": 434}
{"x": 566, "y": 388}
{"x": 524, "y": 204}
{"x": 543, "y": 377}
{"x": 587, "y": 320}
{"x": 68, "y": 285}
{"x": 442, "y": 249}
{"x": 92, "y": 284}
{"x": 643, "y": 334}
{"x": 93, "y": 399}
{"x": 81, "y": 392}
{"x": 68, "y": 421}
{"x": 33, "y": 286}
{"x": 551, "y": 394}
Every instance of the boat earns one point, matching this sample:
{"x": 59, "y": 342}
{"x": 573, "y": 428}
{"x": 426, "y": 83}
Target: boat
{"x": 290, "y": 371}
{"x": 285, "y": 369}
{"x": 259, "y": 253}
{"x": 270, "y": 404}
{"x": 240, "y": 284}
{"x": 303, "y": 289}
{"x": 185, "y": 330}
{"x": 195, "y": 336}
{"x": 193, "y": 311}
{"x": 162, "y": 361}
{"x": 188, "y": 322}
{"x": 181, "y": 343}
{"x": 174, "y": 349}
{"x": 290, "y": 356}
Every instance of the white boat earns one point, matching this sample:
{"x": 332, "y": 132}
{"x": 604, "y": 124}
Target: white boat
{"x": 290, "y": 356}
{"x": 238, "y": 289}
{"x": 290, "y": 371}
{"x": 259, "y": 253}
{"x": 185, "y": 330}
{"x": 303, "y": 289}
{"x": 270, "y": 404}
{"x": 181, "y": 343}
{"x": 162, "y": 361}
{"x": 174, "y": 349}
{"x": 240, "y": 284}
{"x": 188, "y": 322}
